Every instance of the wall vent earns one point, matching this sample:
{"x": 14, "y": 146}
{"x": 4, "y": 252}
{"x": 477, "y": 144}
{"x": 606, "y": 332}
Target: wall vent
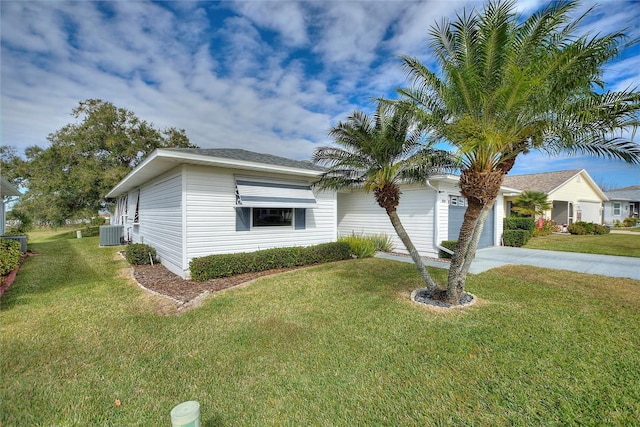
{"x": 111, "y": 235}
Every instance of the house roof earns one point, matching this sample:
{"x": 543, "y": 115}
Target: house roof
{"x": 249, "y": 156}
{"x": 7, "y": 189}
{"x": 631, "y": 193}
{"x": 544, "y": 182}
{"x": 548, "y": 182}
{"x": 164, "y": 159}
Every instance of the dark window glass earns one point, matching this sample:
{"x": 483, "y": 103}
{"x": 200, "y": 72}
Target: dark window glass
{"x": 272, "y": 217}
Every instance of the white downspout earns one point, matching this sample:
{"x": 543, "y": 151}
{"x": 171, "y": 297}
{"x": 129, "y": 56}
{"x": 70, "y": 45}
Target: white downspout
{"x": 436, "y": 225}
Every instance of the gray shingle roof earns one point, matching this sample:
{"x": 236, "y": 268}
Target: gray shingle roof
{"x": 631, "y": 193}
{"x": 543, "y": 182}
{"x": 249, "y": 156}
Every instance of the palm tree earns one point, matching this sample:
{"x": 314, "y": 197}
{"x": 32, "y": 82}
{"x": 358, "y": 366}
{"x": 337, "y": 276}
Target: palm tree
{"x": 505, "y": 86}
{"x": 532, "y": 203}
{"x": 377, "y": 154}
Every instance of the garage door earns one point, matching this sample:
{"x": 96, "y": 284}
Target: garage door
{"x": 457, "y": 207}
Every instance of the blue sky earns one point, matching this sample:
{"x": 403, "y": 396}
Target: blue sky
{"x": 268, "y": 76}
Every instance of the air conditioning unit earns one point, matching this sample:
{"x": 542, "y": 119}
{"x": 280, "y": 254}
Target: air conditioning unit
{"x": 111, "y": 235}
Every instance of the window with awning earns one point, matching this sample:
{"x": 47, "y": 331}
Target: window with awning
{"x": 260, "y": 194}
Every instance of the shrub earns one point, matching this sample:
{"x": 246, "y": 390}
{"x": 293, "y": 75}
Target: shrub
{"x": 577, "y": 229}
{"x": 449, "y": 244}
{"x": 601, "y": 229}
{"x": 139, "y": 254}
{"x": 362, "y": 248}
{"x": 630, "y": 222}
{"x": 516, "y": 238}
{"x": 225, "y": 265}
{"x": 519, "y": 223}
{"x": 99, "y": 220}
{"x": 582, "y": 228}
{"x": 548, "y": 227}
{"x": 366, "y": 246}
{"x": 382, "y": 242}
{"x": 10, "y": 255}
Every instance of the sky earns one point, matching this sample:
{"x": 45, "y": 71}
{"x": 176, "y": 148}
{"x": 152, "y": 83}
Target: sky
{"x": 267, "y": 76}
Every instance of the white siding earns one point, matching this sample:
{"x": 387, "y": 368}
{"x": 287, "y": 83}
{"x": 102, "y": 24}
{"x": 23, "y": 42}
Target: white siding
{"x": 211, "y": 218}
{"x": 160, "y": 215}
{"x": 358, "y": 212}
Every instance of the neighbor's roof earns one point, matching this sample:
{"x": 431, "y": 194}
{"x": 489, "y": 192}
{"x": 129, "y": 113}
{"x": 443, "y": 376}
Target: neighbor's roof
{"x": 544, "y": 182}
{"x": 631, "y": 193}
{"x": 164, "y": 159}
{"x": 7, "y": 189}
{"x": 548, "y": 182}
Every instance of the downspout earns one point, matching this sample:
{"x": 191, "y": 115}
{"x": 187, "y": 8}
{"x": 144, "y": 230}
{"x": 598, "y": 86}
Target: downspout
{"x": 436, "y": 225}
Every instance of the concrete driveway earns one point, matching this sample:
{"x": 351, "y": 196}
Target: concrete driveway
{"x": 488, "y": 258}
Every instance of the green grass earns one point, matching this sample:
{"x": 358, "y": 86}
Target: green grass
{"x": 336, "y": 344}
{"x": 606, "y": 244}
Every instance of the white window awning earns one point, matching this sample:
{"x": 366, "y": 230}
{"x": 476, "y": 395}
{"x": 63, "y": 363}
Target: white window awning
{"x": 259, "y": 194}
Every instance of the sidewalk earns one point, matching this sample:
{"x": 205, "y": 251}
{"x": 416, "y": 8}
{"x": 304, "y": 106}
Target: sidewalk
{"x": 497, "y": 256}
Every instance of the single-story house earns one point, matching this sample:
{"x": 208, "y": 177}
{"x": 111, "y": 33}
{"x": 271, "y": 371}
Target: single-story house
{"x": 623, "y": 203}
{"x": 430, "y": 212}
{"x": 189, "y": 203}
{"x": 6, "y": 190}
{"x": 574, "y": 194}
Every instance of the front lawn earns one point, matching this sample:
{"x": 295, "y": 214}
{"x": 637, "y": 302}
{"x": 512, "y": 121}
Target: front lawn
{"x": 606, "y": 244}
{"x": 336, "y": 344}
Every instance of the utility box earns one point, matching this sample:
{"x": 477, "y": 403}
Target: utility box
{"x": 111, "y": 235}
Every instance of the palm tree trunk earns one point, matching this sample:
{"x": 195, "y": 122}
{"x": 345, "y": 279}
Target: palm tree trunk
{"x": 432, "y": 287}
{"x": 457, "y": 277}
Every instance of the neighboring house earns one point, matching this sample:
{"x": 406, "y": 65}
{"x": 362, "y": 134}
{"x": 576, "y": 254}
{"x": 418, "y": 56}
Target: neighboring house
{"x": 573, "y": 193}
{"x": 431, "y": 212}
{"x": 6, "y": 190}
{"x": 623, "y": 203}
{"x": 188, "y": 203}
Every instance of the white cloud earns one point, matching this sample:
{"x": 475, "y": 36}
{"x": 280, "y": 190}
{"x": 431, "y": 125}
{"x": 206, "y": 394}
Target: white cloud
{"x": 265, "y": 76}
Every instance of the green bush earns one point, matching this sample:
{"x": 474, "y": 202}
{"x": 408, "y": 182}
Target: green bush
{"x": 577, "y": 229}
{"x": 362, "y": 248}
{"x": 516, "y": 238}
{"x": 98, "y": 221}
{"x": 601, "y": 229}
{"x": 225, "y": 265}
{"x": 10, "y": 255}
{"x": 519, "y": 223}
{"x": 449, "y": 244}
{"x": 382, "y": 242}
{"x": 366, "y": 245}
{"x": 138, "y": 254}
{"x": 630, "y": 222}
{"x": 582, "y": 228}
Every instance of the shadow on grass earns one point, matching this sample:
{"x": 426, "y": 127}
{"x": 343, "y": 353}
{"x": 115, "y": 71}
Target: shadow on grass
{"x": 61, "y": 263}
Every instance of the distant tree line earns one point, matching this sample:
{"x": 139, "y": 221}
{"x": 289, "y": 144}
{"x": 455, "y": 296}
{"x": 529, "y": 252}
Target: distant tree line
{"x": 68, "y": 179}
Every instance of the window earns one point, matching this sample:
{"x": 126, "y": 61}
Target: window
{"x": 617, "y": 208}
{"x": 272, "y": 217}
{"x": 136, "y": 215}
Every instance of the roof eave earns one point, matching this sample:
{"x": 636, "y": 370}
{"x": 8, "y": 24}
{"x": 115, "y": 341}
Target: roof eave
{"x": 137, "y": 177}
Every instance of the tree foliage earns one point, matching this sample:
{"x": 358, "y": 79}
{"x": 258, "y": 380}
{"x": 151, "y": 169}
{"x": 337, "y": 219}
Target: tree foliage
{"x": 505, "y": 85}
{"x": 532, "y": 203}
{"x": 378, "y": 153}
{"x": 84, "y": 160}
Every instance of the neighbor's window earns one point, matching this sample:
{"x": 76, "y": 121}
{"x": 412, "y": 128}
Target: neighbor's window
{"x": 272, "y": 217}
{"x": 617, "y": 208}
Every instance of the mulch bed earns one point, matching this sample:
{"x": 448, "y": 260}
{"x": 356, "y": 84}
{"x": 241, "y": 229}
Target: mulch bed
{"x": 158, "y": 279}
